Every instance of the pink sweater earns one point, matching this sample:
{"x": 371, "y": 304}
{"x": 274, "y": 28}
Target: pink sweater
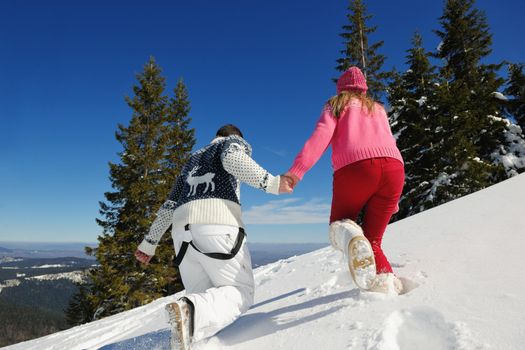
{"x": 355, "y": 136}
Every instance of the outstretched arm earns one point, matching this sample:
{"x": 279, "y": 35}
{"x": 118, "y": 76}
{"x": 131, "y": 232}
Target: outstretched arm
{"x": 315, "y": 146}
{"x": 237, "y": 161}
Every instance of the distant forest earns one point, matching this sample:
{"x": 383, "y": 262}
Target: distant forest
{"x": 34, "y": 309}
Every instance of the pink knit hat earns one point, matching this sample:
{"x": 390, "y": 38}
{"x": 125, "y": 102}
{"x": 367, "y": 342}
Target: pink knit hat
{"x": 352, "y": 79}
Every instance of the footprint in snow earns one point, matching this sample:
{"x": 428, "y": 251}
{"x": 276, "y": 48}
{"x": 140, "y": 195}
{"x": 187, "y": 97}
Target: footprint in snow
{"x": 262, "y": 281}
{"x": 408, "y": 285}
{"x": 422, "y": 274}
{"x": 270, "y": 269}
{"x": 398, "y": 265}
{"x": 420, "y": 328}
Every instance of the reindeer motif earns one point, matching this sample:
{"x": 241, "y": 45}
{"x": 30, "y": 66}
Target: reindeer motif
{"x": 195, "y": 181}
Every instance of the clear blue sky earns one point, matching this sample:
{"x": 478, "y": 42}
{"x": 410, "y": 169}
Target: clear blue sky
{"x": 65, "y": 67}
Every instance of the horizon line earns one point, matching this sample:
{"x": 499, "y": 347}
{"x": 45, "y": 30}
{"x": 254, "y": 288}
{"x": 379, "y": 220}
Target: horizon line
{"x": 67, "y": 242}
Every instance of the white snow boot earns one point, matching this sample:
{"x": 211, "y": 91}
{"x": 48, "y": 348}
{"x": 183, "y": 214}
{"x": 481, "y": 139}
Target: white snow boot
{"x": 180, "y": 318}
{"x": 347, "y": 236}
{"x": 387, "y": 283}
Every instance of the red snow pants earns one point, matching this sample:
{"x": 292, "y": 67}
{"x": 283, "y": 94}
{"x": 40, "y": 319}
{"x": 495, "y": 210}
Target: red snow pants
{"x": 374, "y": 185}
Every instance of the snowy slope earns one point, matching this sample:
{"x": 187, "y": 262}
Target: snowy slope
{"x": 462, "y": 263}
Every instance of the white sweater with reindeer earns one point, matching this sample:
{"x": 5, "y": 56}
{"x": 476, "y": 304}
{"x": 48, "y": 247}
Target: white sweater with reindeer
{"x": 208, "y": 189}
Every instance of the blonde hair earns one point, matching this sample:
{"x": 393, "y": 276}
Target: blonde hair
{"x": 339, "y": 101}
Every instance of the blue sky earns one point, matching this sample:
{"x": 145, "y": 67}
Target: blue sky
{"x": 266, "y": 66}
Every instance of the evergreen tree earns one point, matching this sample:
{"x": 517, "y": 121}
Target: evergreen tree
{"x": 155, "y": 144}
{"x": 412, "y": 96}
{"x": 178, "y": 114}
{"x": 449, "y": 125}
{"x": 358, "y": 52}
{"x": 468, "y": 113}
{"x": 465, "y": 40}
{"x": 80, "y": 309}
{"x": 516, "y": 90}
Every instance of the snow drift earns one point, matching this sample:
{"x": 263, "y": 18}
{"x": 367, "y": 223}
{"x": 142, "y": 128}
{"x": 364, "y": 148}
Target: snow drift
{"x": 462, "y": 264}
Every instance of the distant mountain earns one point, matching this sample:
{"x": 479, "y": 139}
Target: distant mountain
{"x": 265, "y": 253}
{"x": 34, "y": 294}
{"x": 44, "y": 250}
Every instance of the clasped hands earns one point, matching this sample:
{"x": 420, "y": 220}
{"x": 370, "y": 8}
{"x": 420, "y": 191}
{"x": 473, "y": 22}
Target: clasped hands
{"x": 288, "y": 182}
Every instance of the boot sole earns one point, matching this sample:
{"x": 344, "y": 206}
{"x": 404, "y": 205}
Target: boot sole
{"x": 349, "y": 226}
{"x": 361, "y": 262}
{"x": 178, "y": 339}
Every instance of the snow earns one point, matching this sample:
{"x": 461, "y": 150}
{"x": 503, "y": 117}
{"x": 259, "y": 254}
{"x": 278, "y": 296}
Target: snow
{"x": 398, "y": 133}
{"x": 499, "y": 96}
{"x": 9, "y": 283}
{"x": 462, "y": 265}
{"x": 511, "y": 156}
{"x": 477, "y": 159}
{"x": 75, "y": 276}
{"x": 48, "y": 266}
{"x": 421, "y": 101}
{"x": 442, "y": 179}
{"x": 9, "y": 259}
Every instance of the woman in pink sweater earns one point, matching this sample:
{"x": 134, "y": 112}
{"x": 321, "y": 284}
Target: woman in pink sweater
{"x": 368, "y": 174}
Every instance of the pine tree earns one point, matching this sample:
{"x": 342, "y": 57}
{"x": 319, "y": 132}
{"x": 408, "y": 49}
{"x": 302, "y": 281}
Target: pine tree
{"x": 358, "y": 52}
{"x": 80, "y": 309}
{"x": 179, "y": 110}
{"x": 412, "y": 96}
{"x": 468, "y": 112}
{"x": 512, "y": 154}
{"x": 516, "y": 90}
{"x": 155, "y": 144}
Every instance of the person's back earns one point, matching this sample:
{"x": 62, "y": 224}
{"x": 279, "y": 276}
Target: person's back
{"x": 356, "y": 127}
{"x": 368, "y": 176}
{"x": 207, "y": 192}
{"x": 362, "y": 133}
{"x": 208, "y": 235}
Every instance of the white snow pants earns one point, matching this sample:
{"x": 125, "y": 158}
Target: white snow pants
{"x": 220, "y": 290}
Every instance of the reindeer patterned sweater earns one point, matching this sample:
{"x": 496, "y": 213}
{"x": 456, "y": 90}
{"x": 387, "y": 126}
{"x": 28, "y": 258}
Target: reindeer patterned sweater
{"x": 208, "y": 189}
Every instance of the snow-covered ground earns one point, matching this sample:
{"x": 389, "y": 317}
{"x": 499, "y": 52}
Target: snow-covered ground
{"x": 75, "y": 276}
{"x": 48, "y": 266}
{"x": 462, "y": 264}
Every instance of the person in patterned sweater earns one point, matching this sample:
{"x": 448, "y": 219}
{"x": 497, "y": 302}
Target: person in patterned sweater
{"x": 204, "y": 211}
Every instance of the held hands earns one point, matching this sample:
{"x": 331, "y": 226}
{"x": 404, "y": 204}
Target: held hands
{"x": 286, "y": 185}
{"x": 295, "y": 179}
{"x": 142, "y": 257}
{"x": 288, "y": 182}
